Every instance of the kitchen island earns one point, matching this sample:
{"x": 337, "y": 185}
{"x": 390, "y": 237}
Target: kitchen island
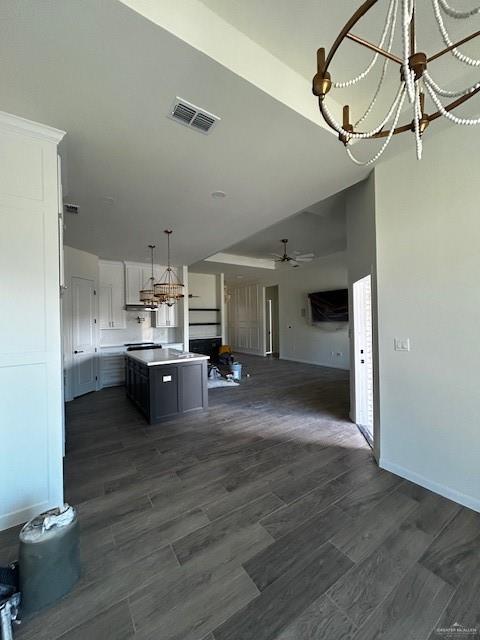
{"x": 164, "y": 383}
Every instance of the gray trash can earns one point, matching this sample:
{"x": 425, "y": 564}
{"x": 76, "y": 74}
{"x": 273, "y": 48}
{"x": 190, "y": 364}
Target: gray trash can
{"x": 49, "y": 558}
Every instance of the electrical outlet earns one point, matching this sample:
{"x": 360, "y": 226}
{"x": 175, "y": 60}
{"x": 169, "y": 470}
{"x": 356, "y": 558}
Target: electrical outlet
{"x": 401, "y": 344}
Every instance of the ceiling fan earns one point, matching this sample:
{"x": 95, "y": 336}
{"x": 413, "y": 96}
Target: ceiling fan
{"x": 292, "y": 260}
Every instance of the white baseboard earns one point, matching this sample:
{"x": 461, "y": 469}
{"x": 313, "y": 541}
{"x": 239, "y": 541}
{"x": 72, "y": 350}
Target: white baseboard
{"x": 318, "y": 364}
{"x": 13, "y": 518}
{"x": 436, "y": 487}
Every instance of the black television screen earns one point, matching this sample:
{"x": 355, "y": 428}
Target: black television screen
{"x": 329, "y": 306}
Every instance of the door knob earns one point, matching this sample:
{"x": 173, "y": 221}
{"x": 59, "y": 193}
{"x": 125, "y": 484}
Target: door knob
{"x": 78, "y": 352}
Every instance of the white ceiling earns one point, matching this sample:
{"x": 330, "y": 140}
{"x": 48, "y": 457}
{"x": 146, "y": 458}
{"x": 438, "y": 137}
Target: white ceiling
{"x": 320, "y": 229}
{"x": 108, "y": 76}
{"x": 293, "y": 31}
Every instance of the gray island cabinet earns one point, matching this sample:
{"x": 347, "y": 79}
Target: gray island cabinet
{"x": 164, "y": 383}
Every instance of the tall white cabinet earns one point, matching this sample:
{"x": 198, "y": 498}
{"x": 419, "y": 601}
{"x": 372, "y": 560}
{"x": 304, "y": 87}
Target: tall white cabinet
{"x": 112, "y": 295}
{"x": 31, "y": 409}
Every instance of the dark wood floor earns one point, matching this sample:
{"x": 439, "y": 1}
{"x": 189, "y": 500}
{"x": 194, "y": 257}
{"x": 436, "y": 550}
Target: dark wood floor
{"x": 263, "y": 519}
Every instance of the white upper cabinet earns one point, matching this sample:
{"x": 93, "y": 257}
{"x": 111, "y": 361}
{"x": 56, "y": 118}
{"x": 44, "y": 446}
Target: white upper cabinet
{"x": 165, "y": 316}
{"x": 112, "y": 295}
{"x": 137, "y": 276}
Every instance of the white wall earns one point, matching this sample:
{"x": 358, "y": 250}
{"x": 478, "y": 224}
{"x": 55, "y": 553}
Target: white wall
{"x": 428, "y": 262}
{"x": 31, "y": 408}
{"x": 299, "y": 339}
{"x": 141, "y": 331}
{"x": 207, "y": 291}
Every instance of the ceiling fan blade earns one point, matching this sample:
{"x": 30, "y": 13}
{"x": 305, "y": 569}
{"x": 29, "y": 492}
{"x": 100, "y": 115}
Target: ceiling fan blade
{"x": 304, "y": 255}
{"x": 303, "y": 259}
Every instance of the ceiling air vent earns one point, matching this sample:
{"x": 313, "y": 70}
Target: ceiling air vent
{"x": 191, "y": 116}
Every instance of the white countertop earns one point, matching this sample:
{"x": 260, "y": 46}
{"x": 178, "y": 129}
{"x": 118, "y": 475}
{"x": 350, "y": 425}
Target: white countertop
{"x": 152, "y": 357}
{"x": 165, "y": 345}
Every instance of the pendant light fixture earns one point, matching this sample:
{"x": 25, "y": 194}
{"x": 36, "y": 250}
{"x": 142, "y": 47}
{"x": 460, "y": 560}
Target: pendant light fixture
{"x": 147, "y": 295}
{"x": 417, "y": 72}
{"x": 169, "y": 289}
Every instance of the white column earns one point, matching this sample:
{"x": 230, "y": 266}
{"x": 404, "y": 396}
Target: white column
{"x": 31, "y": 408}
{"x": 185, "y": 315}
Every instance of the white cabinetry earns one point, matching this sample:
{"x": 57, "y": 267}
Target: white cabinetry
{"x": 165, "y": 316}
{"x": 246, "y": 317}
{"x": 137, "y": 276}
{"x": 112, "y": 366}
{"x": 112, "y": 295}
{"x": 31, "y": 448}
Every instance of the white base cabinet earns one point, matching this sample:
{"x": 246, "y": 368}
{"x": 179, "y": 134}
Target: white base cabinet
{"x": 112, "y": 366}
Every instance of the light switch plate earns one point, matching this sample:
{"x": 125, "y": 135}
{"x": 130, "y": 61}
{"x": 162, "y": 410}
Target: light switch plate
{"x": 401, "y": 344}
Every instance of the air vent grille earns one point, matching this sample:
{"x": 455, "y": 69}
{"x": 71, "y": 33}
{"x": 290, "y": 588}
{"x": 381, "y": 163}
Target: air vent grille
{"x": 203, "y": 122}
{"x": 184, "y": 113}
{"x": 191, "y": 116}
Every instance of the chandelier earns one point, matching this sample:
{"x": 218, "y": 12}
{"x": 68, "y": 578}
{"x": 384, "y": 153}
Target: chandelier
{"x": 169, "y": 289}
{"x": 147, "y": 295}
{"x": 415, "y": 83}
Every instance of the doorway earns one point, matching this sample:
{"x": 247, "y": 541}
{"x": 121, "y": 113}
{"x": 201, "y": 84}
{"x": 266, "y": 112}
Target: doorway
{"x": 272, "y": 339}
{"x": 83, "y": 336}
{"x": 363, "y": 350}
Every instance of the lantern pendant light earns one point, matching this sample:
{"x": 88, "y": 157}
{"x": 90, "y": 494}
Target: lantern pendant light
{"x": 147, "y": 295}
{"x": 169, "y": 289}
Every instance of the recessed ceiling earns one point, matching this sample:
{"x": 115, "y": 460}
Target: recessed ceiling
{"x": 319, "y": 229}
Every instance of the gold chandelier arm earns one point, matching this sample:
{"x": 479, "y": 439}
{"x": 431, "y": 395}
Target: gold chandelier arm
{"x": 433, "y": 116}
{"x": 381, "y": 134}
{"x": 454, "y": 46}
{"x": 373, "y": 47}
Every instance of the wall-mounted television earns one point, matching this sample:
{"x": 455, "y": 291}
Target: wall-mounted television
{"x": 329, "y": 306}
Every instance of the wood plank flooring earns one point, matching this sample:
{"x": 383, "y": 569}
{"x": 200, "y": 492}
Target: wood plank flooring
{"x": 264, "y": 518}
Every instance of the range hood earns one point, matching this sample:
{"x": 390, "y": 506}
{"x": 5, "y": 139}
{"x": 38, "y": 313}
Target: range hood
{"x": 139, "y": 307}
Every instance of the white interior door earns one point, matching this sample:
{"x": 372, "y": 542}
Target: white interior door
{"x": 268, "y": 324}
{"x": 83, "y": 338}
{"x": 363, "y": 345}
